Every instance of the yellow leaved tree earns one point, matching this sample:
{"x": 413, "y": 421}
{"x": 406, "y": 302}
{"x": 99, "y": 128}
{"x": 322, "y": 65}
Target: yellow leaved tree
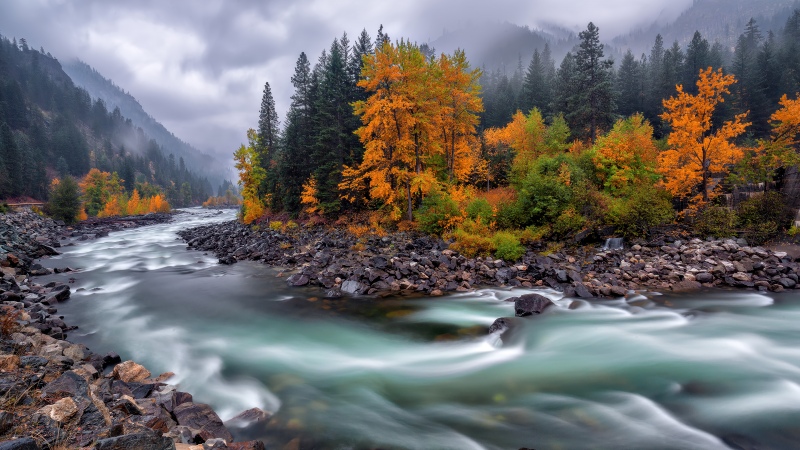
{"x": 251, "y": 174}
{"x": 697, "y": 150}
{"x": 418, "y": 121}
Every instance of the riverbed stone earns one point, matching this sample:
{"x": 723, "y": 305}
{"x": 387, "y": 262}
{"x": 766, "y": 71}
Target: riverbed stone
{"x": 201, "y": 417}
{"x": 60, "y": 411}
{"x": 143, "y": 440}
{"x": 528, "y": 304}
{"x": 130, "y": 371}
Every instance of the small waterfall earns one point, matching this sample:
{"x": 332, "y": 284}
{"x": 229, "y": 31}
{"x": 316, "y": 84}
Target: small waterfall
{"x": 613, "y": 244}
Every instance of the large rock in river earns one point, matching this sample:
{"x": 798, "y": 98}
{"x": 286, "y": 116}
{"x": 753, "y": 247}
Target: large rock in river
{"x": 529, "y": 304}
{"x": 200, "y": 417}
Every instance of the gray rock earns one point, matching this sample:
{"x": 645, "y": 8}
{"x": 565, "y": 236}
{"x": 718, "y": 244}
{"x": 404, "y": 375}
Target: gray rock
{"x": 144, "y": 440}
{"x": 582, "y": 291}
{"x": 352, "y": 287}
{"x": 201, "y": 417}
{"x": 704, "y": 277}
{"x": 25, "y": 443}
{"x": 529, "y": 304}
{"x": 298, "y": 280}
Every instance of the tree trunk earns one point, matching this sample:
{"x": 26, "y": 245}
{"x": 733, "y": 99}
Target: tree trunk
{"x": 408, "y": 195}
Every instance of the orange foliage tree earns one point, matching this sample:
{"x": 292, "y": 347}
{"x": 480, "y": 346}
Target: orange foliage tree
{"x": 420, "y": 112}
{"x": 696, "y": 149}
{"x": 98, "y": 187}
{"x": 626, "y": 155}
{"x": 251, "y": 174}
{"x": 529, "y": 138}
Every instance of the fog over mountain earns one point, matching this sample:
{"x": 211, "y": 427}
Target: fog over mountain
{"x": 200, "y": 68}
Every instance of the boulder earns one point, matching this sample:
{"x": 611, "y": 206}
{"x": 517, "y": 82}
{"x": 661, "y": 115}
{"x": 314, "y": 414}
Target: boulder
{"x": 686, "y": 286}
{"x": 582, "y": 291}
{"x": 25, "y": 443}
{"x": 529, "y": 304}
{"x": 245, "y": 418}
{"x": 352, "y": 287}
{"x": 60, "y": 411}
{"x": 69, "y": 384}
{"x": 130, "y": 371}
{"x": 201, "y": 417}
{"x": 249, "y": 445}
{"x": 704, "y": 277}
{"x": 143, "y": 440}
{"x": 297, "y": 280}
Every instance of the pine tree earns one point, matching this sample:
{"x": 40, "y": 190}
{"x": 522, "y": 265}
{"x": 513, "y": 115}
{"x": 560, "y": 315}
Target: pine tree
{"x": 593, "y": 98}
{"x": 294, "y": 164}
{"x": 537, "y": 88}
{"x": 267, "y": 142}
{"x": 628, "y": 85}
{"x": 697, "y": 57}
{"x": 12, "y": 160}
{"x": 566, "y": 84}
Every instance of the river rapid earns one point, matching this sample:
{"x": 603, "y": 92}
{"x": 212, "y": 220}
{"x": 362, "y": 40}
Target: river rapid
{"x": 704, "y": 371}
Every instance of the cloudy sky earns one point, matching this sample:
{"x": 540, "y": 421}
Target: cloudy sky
{"x": 199, "y": 67}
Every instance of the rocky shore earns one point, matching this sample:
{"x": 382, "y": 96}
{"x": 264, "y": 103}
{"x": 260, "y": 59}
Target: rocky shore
{"x": 406, "y": 262}
{"x": 55, "y": 394}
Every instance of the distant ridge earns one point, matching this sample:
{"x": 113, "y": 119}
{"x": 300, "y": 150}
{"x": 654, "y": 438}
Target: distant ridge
{"x": 114, "y": 96}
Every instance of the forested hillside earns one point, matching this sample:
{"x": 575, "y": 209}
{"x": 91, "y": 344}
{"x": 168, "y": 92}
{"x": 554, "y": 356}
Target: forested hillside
{"x": 50, "y": 128}
{"x": 100, "y": 87}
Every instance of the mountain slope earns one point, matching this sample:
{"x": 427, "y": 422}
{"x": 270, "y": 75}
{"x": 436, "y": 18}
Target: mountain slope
{"x": 717, "y": 20}
{"x": 100, "y": 87}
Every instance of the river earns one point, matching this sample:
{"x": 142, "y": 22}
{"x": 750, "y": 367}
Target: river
{"x": 717, "y": 370}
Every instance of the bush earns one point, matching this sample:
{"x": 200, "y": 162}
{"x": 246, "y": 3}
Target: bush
{"x": 764, "y": 216}
{"x": 438, "y": 213}
{"x": 644, "y": 208}
{"x": 568, "y": 222}
{"x": 507, "y": 246}
{"x": 65, "y": 203}
{"x": 480, "y": 208}
{"x": 276, "y": 225}
{"x": 717, "y": 221}
{"x": 472, "y": 238}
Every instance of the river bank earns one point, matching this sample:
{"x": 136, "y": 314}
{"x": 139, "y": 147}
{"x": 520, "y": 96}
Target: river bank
{"x": 408, "y": 263}
{"x": 58, "y": 394}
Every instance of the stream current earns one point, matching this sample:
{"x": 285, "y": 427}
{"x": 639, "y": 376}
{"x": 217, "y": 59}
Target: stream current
{"x": 696, "y": 371}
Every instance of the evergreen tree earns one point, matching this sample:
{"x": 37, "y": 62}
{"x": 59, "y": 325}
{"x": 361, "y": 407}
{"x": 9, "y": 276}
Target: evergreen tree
{"x": 12, "y": 160}
{"x": 566, "y": 84}
{"x": 294, "y": 163}
{"x": 593, "y": 99}
{"x": 698, "y": 56}
{"x": 268, "y": 138}
{"x": 537, "y": 89}
{"x": 331, "y": 148}
{"x": 628, "y": 85}
{"x": 65, "y": 200}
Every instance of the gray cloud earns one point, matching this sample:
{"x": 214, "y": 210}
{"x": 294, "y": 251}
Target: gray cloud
{"x": 200, "y": 67}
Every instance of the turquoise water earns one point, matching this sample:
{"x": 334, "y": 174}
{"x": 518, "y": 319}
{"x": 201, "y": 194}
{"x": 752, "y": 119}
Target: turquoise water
{"x": 714, "y": 370}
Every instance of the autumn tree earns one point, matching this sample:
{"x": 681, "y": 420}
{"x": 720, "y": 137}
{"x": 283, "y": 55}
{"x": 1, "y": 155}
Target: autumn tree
{"x": 698, "y": 150}
{"x": 529, "y": 138}
{"x": 251, "y": 175}
{"x": 460, "y": 104}
{"x": 98, "y": 187}
{"x": 626, "y": 155}
{"x": 781, "y": 150}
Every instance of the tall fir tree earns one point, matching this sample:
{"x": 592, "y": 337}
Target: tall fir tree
{"x": 295, "y": 158}
{"x": 267, "y": 142}
{"x": 593, "y": 99}
{"x": 628, "y": 85}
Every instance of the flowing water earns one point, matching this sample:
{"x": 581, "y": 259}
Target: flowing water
{"x": 718, "y": 370}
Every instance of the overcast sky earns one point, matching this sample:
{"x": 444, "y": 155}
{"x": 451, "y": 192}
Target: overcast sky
{"x": 199, "y": 67}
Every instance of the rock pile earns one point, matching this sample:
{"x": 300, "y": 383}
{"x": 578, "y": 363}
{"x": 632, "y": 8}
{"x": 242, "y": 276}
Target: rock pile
{"x": 410, "y": 262}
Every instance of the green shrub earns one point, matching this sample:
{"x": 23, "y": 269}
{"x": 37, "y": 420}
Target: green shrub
{"x": 480, "y": 208}
{"x": 438, "y": 213}
{"x": 507, "y": 246}
{"x": 645, "y": 207}
{"x": 472, "y": 238}
{"x": 65, "y": 200}
{"x": 568, "y": 222}
{"x": 717, "y": 221}
{"x": 764, "y": 216}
